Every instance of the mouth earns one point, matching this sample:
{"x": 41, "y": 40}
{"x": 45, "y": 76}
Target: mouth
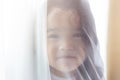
{"x": 66, "y": 57}
{"x": 66, "y": 60}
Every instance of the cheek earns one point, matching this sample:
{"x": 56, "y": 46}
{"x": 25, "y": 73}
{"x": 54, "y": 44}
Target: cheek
{"x": 52, "y": 50}
{"x": 81, "y": 54}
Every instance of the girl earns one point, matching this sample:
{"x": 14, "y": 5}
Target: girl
{"x": 72, "y": 41}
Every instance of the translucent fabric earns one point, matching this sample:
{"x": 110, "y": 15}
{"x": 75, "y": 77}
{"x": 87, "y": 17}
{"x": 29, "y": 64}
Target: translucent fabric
{"x": 67, "y": 45}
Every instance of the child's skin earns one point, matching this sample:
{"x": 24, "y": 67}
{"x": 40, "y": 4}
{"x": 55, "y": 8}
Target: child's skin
{"x": 66, "y": 49}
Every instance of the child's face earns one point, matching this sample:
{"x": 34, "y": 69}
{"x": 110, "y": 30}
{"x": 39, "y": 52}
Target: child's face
{"x": 66, "y": 49}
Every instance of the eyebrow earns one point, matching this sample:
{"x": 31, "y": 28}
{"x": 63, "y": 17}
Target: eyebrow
{"x": 55, "y": 29}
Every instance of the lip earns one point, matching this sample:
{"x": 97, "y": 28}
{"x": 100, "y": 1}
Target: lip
{"x": 66, "y": 57}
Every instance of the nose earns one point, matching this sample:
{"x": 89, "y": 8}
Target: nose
{"x": 66, "y": 45}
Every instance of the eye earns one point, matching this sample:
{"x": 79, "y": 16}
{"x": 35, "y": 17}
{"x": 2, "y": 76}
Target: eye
{"x": 53, "y": 36}
{"x": 77, "y": 35}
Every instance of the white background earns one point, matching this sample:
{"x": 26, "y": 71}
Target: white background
{"x": 17, "y": 19}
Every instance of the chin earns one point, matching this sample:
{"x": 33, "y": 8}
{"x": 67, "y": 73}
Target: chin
{"x": 67, "y": 66}
{"x": 67, "y": 69}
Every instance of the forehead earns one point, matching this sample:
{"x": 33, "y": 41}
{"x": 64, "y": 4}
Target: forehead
{"x": 60, "y": 18}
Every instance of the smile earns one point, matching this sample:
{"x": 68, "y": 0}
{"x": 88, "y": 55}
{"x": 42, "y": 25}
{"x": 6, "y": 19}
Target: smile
{"x": 66, "y": 57}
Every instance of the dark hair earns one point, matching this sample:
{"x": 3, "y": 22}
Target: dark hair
{"x": 94, "y": 70}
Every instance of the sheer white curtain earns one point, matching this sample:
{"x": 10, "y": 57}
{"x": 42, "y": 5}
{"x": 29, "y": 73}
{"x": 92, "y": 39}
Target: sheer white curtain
{"x": 100, "y": 9}
{"x": 42, "y": 65}
{"x": 17, "y": 36}
{"x": 17, "y": 21}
